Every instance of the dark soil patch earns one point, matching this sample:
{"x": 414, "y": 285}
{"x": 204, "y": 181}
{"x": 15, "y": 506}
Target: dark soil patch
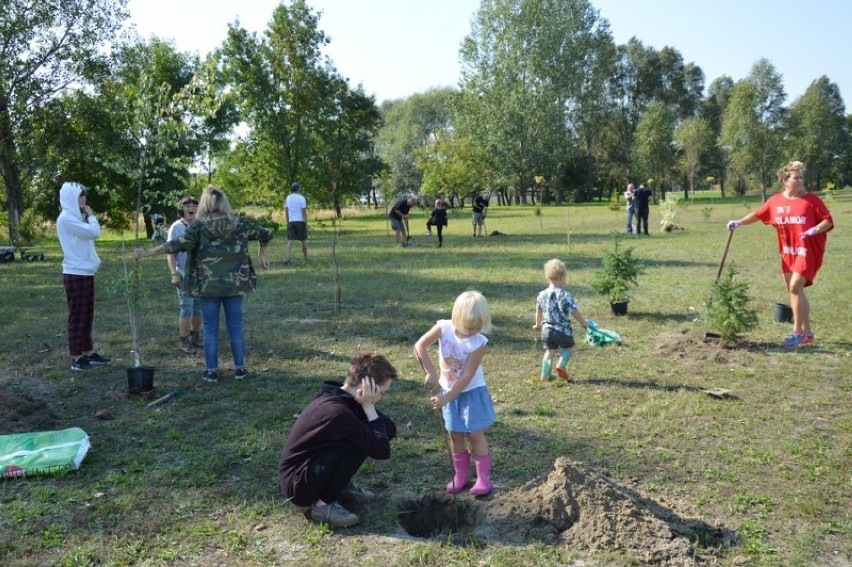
{"x": 19, "y": 413}
{"x": 574, "y": 508}
{"x": 686, "y": 346}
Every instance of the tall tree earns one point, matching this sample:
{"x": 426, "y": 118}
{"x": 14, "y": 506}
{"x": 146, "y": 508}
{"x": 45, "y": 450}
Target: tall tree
{"x": 408, "y": 125}
{"x": 751, "y": 126}
{"x": 712, "y": 110}
{"x": 653, "y": 150}
{"x": 523, "y": 65}
{"x": 641, "y": 77}
{"x": 694, "y": 138}
{"x": 817, "y": 130}
{"x": 45, "y": 47}
{"x": 285, "y": 86}
{"x": 345, "y": 157}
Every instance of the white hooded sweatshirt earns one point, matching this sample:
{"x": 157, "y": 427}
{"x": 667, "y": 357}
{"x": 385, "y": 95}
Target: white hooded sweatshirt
{"x": 77, "y": 236}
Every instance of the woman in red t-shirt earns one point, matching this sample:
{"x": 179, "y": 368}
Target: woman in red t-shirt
{"x": 801, "y": 220}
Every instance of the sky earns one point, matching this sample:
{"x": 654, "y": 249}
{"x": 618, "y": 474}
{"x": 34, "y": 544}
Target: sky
{"x": 396, "y": 48}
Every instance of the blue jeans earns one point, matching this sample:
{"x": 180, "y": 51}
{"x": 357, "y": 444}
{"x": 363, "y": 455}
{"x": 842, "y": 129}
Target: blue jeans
{"x": 233, "y": 320}
{"x": 630, "y": 212}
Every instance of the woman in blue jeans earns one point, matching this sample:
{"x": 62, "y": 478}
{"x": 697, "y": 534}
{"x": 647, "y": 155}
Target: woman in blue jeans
{"x": 220, "y": 272}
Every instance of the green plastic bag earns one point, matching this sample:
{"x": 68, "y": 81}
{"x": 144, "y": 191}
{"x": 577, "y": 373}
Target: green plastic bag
{"x": 42, "y": 453}
{"x": 600, "y": 337}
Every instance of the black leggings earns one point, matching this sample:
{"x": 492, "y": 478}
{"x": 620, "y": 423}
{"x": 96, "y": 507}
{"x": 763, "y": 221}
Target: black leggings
{"x": 438, "y": 227}
{"x": 328, "y": 474}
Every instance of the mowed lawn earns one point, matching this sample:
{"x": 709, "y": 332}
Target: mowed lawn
{"x": 194, "y": 481}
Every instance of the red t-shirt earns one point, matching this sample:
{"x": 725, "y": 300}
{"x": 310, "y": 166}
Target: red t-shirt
{"x": 791, "y": 217}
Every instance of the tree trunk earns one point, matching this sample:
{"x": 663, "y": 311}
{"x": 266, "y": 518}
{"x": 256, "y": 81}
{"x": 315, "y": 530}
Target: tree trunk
{"x": 11, "y": 174}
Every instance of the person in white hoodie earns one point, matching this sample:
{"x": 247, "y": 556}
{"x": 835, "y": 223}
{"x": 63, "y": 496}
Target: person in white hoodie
{"x": 78, "y": 228}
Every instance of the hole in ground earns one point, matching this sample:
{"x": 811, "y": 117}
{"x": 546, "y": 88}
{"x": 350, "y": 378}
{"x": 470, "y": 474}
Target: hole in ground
{"x": 438, "y": 516}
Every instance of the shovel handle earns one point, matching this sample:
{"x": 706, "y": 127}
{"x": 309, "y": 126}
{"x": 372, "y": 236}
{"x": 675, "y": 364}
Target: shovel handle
{"x": 724, "y": 254}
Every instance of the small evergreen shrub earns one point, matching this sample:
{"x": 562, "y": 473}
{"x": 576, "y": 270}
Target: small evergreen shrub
{"x": 729, "y": 308}
{"x": 619, "y": 272}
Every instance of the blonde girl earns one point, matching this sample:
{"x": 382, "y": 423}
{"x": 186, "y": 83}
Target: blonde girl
{"x": 460, "y": 388}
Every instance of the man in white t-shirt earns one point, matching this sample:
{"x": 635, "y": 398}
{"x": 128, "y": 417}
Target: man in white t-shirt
{"x": 296, "y": 213}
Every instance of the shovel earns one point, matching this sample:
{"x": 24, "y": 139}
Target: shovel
{"x": 449, "y": 447}
{"x": 724, "y": 255}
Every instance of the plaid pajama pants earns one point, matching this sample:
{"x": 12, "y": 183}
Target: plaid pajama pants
{"x": 80, "y": 292}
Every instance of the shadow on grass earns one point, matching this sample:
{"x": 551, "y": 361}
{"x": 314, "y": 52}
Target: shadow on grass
{"x": 637, "y": 384}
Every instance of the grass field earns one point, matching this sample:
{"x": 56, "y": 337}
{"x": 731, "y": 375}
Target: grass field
{"x": 194, "y": 481}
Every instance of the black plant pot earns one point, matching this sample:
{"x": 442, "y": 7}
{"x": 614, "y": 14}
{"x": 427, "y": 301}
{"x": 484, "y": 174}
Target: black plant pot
{"x": 140, "y": 378}
{"x": 783, "y": 313}
{"x": 619, "y": 308}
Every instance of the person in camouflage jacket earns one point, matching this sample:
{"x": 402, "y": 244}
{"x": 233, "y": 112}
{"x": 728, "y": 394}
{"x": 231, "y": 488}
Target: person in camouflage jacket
{"x": 219, "y": 271}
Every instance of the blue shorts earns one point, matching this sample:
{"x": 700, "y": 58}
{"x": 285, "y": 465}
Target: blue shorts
{"x": 472, "y": 411}
{"x": 189, "y": 305}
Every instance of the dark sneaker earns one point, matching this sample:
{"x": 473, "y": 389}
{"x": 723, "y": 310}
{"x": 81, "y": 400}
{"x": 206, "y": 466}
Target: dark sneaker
{"x": 288, "y": 263}
{"x": 356, "y": 495}
{"x": 334, "y": 515}
{"x": 210, "y": 376}
{"x": 185, "y": 346}
{"x": 81, "y": 364}
{"x": 240, "y": 373}
{"x": 97, "y": 360}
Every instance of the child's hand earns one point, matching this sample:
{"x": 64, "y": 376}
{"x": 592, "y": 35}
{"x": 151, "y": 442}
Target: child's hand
{"x": 437, "y": 401}
{"x": 537, "y": 327}
{"x": 431, "y": 382}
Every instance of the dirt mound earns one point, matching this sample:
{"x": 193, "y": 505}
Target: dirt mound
{"x": 685, "y": 346}
{"x": 20, "y": 413}
{"x": 583, "y": 510}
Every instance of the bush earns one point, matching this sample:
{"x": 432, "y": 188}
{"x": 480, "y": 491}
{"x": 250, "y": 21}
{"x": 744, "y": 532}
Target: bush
{"x": 729, "y": 307}
{"x": 32, "y": 228}
{"x": 668, "y": 212}
{"x": 619, "y": 272}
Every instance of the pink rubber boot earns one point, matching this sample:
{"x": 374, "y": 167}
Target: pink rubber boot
{"x": 461, "y": 465}
{"x": 483, "y": 476}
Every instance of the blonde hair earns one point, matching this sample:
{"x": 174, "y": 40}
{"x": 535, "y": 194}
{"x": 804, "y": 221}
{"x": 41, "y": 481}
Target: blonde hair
{"x": 213, "y": 204}
{"x": 785, "y": 172}
{"x": 470, "y": 310}
{"x": 555, "y": 269}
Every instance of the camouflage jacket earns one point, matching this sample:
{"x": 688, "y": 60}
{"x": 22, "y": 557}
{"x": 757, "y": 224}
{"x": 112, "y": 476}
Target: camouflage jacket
{"x": 218, "y": 262}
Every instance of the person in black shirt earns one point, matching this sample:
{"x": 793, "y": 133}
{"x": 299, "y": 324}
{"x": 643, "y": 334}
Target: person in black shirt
{"x": 333, "y": 436}
{"x": 641, "y": 197}
{"x": 399, "y": 220}
{"x": 438, "y": 219}
{"x": 480, "y": 207}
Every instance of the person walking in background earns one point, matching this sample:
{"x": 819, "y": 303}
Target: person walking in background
{"x": 464, "y": 398}
{"x": 801, "y": 221}
{"x": 189, "y": 318}
{"x": 399, "y": 220}
{"x": 296, "y": 214}
{"x": 480, "y": 208}
{"x": 438, "y": 219}
{"x": 552, "y": 309}
{"x": 631, "y": 207}
{"x": 642, "y": 197}
{"x": 77, "y": 228}
{"x": 333, "y": 436}
{"x": 220, "y": 272}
